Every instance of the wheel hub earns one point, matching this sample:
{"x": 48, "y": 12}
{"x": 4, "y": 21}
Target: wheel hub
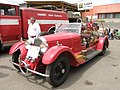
{"x": 63, "y": 71}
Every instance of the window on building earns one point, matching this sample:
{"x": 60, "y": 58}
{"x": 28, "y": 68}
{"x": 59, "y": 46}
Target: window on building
{"x": 117, "y": 15}
{"x": 103, "y": 16}
{"x": 109, "y": 15}
{"x": 106, "y": 16}
{"x": 7, "y": 10}
{"x": 99, "y": 16}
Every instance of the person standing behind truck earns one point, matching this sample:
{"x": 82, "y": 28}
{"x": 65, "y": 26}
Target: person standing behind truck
{"x": 33, "y": 30}
{"x": 90, "y": 25}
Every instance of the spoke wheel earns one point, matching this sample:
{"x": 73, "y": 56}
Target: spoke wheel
{"x": 58, "y": 71}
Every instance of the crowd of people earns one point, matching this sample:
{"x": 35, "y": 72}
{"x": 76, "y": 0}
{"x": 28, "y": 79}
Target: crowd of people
{"x": 112, "y": 34}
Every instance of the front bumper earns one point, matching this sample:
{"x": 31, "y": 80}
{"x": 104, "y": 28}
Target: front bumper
{"x": 29, "y": 70}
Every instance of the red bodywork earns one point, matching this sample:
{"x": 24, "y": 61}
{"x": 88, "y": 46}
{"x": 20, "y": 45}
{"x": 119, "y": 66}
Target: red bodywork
{"x": 10, "y": 25}
{"x": 14, "y": 27}
{"x": 46, "y": 18}
{"x": 62, "y": 50}
{"x": 19, "y": 46}
{"x": 71, "y": 44}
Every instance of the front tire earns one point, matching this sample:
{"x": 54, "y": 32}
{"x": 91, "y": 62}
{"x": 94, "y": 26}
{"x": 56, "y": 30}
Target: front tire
{"x": 15, "y": 59}
{"x": 58, "y": 71}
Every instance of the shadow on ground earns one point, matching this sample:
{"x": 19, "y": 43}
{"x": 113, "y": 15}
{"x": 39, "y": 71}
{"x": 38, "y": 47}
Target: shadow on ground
{"x": 77, "y": 72}
{"x": 5, "y": 52}
{"x": 74, "y": 75}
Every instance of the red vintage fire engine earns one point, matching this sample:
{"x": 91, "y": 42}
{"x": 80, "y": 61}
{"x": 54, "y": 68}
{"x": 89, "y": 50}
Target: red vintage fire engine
{"x": 14, "y": 22}
{"x": 52, "y": 55}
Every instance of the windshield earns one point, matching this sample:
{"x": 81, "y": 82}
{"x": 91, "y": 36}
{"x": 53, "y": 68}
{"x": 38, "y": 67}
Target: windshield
{"x": 69, "y": 27}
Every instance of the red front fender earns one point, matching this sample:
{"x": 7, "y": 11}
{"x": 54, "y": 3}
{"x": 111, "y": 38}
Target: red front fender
{"x": 53, "y": 52}
{"x": 19, "y": 46}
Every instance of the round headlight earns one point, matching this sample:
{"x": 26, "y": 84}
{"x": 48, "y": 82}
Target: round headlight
{"x": 43, "y": 45}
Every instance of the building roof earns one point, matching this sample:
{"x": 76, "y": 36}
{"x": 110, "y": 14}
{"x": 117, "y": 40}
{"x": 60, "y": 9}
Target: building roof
{"x": 109, "y": 8}
{"x": 59, "y": 4}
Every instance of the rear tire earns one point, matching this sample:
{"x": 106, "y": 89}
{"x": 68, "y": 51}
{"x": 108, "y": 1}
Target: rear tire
{"x": 104, "y": 48}
{"x": 58, "y": 71}
{"x": 15, "y": 59}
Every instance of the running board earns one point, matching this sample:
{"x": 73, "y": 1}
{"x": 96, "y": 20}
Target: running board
{"x": 92, "y": 55}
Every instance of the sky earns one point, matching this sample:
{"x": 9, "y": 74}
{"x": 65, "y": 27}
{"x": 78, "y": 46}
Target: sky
{"x": 95, "y": 2}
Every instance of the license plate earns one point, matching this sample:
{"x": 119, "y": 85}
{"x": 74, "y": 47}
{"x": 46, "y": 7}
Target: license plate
{"x": 33, "y": 52}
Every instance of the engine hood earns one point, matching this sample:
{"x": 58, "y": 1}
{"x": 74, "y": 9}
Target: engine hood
{"x": 63, "y": 38}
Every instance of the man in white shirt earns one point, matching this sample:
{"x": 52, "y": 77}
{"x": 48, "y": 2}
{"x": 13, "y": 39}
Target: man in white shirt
{"x": 33, "y": 30}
